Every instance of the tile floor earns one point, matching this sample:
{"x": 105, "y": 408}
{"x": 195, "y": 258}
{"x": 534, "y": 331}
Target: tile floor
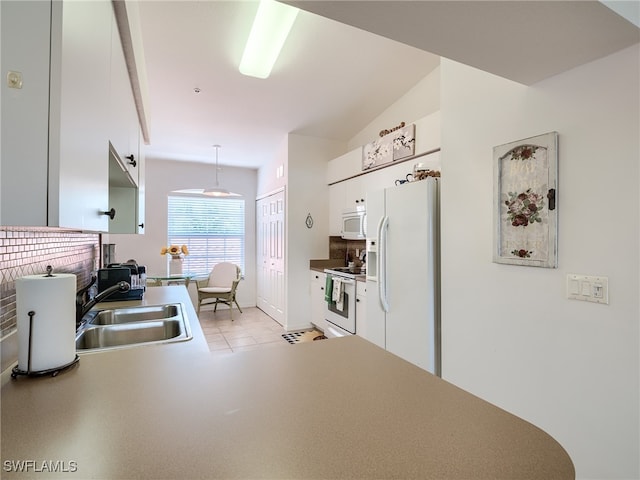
{"x": 249, "y": 330}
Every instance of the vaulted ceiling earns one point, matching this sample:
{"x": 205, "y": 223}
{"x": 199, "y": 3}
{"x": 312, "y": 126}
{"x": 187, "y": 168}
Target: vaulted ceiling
{"x": 334, "y": 75}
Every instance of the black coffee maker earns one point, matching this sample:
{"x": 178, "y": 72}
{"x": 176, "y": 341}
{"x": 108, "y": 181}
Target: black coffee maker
{"x": 130, "y": 272}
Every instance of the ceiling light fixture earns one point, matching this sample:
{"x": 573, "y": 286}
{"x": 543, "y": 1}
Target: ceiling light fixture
{"x": 217, "y": 191}
{"x": 270, "y": 29}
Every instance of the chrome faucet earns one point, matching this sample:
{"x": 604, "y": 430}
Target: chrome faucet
{"x": 82, "y": 308}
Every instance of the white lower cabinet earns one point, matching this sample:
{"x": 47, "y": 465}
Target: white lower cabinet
{"x": 361, "y": 308}
{"x": 317, "y": 286}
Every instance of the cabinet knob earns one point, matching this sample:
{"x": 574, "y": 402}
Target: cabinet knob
{"x": 141, "y": 225}
{"x": 132, "y": 160}
{"x": 111, "y": 213}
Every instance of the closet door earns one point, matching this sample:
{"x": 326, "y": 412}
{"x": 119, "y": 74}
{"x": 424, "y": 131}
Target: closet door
{"x": 270, "y": 256}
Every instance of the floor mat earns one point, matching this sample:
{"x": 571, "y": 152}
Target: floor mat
{"x": 305, "y": 336}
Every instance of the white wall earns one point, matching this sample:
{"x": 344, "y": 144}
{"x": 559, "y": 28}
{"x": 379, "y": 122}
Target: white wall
{"x": 161, "y": 178}
{"x": 421, "y": 100}
{"x": 307, "y": 193}
{"x": 267, "y": 178}
{"x": 509, "y": 334}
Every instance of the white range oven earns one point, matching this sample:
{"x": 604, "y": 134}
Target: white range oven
{"x": 340, "y": 312}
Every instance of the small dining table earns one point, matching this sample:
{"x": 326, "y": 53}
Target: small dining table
{"x": 173, "y": 279}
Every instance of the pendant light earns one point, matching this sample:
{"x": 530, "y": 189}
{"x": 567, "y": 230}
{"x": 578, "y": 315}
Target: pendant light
{"x": 217, "y": 191}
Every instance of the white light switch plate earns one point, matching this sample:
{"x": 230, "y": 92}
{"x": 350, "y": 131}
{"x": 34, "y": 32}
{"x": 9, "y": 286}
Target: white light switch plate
{"x": 588, "y": 288}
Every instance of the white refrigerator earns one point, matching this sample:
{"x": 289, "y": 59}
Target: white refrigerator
{"x": 403, "y": 272}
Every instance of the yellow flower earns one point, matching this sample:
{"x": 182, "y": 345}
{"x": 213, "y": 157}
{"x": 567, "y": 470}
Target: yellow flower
{"x": 184, "y": 249}
{"x": 164, "y": 251}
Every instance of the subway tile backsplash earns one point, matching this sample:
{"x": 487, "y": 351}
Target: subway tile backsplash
{"x": 28, "y": 251}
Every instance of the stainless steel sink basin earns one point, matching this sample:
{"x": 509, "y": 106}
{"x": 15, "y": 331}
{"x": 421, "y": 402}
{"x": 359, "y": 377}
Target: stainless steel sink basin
{"x": 136, "y": 314}
{"x": 129, "y": 334}
{"x": 134, "y": 326}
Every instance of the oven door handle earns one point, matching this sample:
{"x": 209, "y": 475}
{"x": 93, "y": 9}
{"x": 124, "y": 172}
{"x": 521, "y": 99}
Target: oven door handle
{"x": 382, "y": 263}
{"x": 345, "y": 280}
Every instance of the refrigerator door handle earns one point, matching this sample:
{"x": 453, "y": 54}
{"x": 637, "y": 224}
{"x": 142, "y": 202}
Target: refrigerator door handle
{"x": 382, "y": 263}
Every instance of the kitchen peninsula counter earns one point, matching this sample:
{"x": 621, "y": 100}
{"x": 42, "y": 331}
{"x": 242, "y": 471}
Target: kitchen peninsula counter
{"x": 337, "y": 408}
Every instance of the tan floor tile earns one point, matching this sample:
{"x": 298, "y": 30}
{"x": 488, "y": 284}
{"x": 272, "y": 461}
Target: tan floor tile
{"x": 269, "y": 338}
{"x": 258, "y": 330}
{"x": 237, "y": 333}
{"x": 231, "y": 327}
{"x": 209, "y": 330}
{"x": 241, "y": 342}
{"x": 253, "y": 329}
{"x": 214, "y": 337}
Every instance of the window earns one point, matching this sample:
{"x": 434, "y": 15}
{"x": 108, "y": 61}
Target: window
{"x": 211, "y": 228}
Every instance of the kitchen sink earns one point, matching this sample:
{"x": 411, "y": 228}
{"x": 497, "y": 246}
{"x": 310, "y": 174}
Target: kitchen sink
{"x": 136, "y": 314}
{"x": 130, "y": 327}
{"x": 129, "y": 334}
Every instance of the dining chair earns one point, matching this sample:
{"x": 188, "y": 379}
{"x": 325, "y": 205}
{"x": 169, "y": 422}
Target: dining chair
{"x": 220, "y": 287}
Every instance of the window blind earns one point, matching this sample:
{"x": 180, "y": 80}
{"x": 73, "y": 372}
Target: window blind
{"x": 211, "y": 228}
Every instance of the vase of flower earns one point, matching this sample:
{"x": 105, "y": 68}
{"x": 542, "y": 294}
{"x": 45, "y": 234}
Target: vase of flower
{"x": 177, "y": 257}
{"x": 175, "y": 265}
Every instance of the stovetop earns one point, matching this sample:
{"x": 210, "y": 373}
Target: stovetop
{"x": 348, "y": 272}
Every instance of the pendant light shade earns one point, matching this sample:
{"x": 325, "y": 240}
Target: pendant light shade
{"x": 217, "y": 191}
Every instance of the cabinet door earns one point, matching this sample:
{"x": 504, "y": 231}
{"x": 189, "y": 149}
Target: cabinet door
{"x": 25, "y": 113}
{"x": 361, "y": 309}
{"x": 336, "y": 205}
{"x": 79, "y": 111}
{"x": 142, "y": 190}
{"x": 123, "y": 117}
{"x": 317, "y": 286}
{"x": 126, "y": 198}
{"x": 355, "y": 192}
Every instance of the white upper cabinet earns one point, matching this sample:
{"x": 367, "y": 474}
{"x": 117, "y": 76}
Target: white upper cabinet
{"x": 123, "y": 117}
{"x": 57, "y": 123}
{"x": 25, "y": 113}
{"x": 54, "y": 168}
{"x": 79, "y": 106}
{"x": 126, "y": 164}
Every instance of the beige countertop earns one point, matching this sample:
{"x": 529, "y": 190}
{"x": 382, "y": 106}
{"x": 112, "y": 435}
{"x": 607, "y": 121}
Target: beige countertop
{"x": 337, "y": 408}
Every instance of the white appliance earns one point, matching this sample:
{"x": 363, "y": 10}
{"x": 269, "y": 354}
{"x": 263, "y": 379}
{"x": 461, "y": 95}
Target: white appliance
{"x": 353, "y": 223}
{"x": 403, "y": 272}
{"x": 340, "y": 310}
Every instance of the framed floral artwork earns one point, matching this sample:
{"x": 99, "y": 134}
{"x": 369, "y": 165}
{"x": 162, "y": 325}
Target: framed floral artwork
{"x": 525, "y": 193}
{"x": 404, "y": 142}
{"x": 377, "y": 153}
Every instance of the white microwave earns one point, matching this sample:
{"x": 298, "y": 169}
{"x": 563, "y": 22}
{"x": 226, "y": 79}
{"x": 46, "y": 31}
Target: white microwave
{"x": 354, "y": 223}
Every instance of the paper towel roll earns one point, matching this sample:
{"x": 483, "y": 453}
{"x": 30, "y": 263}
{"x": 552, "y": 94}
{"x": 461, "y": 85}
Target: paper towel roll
{"x": 52, "y": 298}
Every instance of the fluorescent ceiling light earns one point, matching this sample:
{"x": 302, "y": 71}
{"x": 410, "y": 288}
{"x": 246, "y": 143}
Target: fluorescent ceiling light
{"x": 270, "y": 29}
